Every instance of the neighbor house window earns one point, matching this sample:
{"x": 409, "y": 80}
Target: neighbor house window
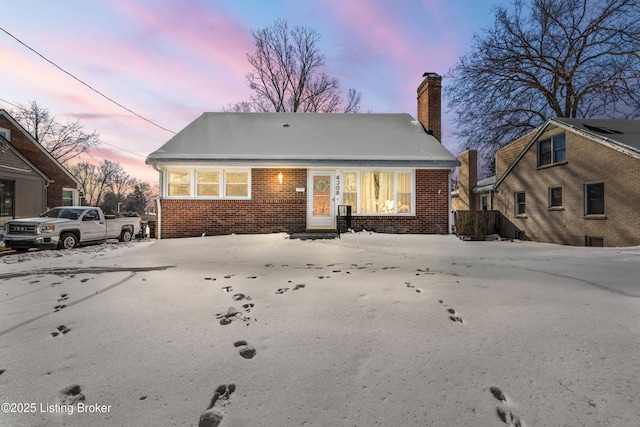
{"x": 555, "y": 197}
{"x": 552, "y": 150}
{"x": 484, "y": 202}
{"x": 594, "y": 199}
{"x": 208, "y": 183}
{"x": 67, "y": 197}
{"x": 379, "y": 192}
{"x": 594, "y": 241}
{"x": 7, "y": 193}
{"x": 519, "y": 203}
{"x": 6, "y": 133}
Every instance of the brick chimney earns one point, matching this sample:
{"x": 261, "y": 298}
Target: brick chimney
{"x": 429, "y": 104}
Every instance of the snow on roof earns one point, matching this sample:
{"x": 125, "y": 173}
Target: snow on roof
{"x": 622, "y": 132}
{"x": 310, "y": 137}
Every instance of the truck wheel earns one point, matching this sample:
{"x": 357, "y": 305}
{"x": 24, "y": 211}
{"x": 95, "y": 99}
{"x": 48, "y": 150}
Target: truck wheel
{"x": 68, "y": 241}
{"x": 126, "y": 235}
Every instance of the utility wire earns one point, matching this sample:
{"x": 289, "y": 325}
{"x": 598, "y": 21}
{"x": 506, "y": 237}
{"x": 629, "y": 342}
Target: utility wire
{"x": 86, "y": 84}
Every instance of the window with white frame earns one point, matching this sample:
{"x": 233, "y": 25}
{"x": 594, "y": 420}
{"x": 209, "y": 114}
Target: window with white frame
{"x": 484, "y": 202}
{"x": 6, "y": 133}
{"x": 552, "y": 150}
{"x": 519, "y": 202}
{"x": 379, "y": 192}
{"x": 68, "y": 197}
{"x": 208, "y": 183}
{"x": 555, "y": 197}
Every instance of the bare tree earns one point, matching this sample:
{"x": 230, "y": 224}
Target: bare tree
{"x": 63, "y": 141}
{"x": 287, "y": 74}
{"x": 554, "y": 58}
{"x": 96, "y": 180}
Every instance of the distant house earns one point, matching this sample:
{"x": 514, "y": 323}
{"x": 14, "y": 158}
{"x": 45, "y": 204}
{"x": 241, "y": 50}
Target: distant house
{"x": 289, "y": 172}
{"x": 30, "y": 178}
{"x": 571, "y": 181}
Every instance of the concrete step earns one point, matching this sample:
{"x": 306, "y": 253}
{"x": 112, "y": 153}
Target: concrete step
{"x": 315, "y": 234}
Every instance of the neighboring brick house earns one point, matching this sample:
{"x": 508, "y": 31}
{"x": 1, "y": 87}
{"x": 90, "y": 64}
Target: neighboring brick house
{"x": 62, "y": 188}
{"x": 571, "y": 181}
{"x": 18, "y": 176}
{"x": 288, "y": 172}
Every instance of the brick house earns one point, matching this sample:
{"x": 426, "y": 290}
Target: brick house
{"x": 289, "y": 172}
{"x": 30, "y": 178}
{"x": 571, "y": 181}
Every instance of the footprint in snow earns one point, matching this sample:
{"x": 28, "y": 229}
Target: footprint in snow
{"x": 282, "y": 290}
{"x": 212, "y": 416}
{"x": 60, "y": 330}
{"x": 504, "y": 410}
{"x": 240, "y": 297}
{"x": 246, "y": 351}
{"x": 63, "y": 297}
{"x": 227, "y": 288}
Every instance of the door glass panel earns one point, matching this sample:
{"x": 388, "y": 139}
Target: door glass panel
{"x": 322, "y": 195}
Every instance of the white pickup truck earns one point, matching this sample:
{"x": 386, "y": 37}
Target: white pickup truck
{"x": 68, "y": 226}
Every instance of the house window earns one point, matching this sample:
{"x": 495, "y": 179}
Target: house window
{"x": 519, "y": 203}
{"x": 555, "y": 197}
{"x": 484, "y": 202}
{"x": 594, "y": 199}
{"x": 379, "y": 192}
{"x": 6, "y": 133}
{"x": 594, "y": 241}
{"x": 237, "y": 184}
{"x": 6, "y": 200}
{"x": 208, "y": 183}
{"x": 552, "y": 150}
{"x": 179, "y": 184}
{"x": 67, "y": 197}
{"x": 350, "y": 192}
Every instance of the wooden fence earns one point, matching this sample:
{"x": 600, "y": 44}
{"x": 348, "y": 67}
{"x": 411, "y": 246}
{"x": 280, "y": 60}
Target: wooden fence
{"x": 477, "y": 223}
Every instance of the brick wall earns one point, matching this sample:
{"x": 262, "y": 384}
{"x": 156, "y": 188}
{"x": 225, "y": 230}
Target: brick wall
{"x": 587, "y": 161}
{"x": 276, "y": 207}
{"x": 273, "y": 208}
{"x": 42, "y": 162}
{"x": 467, "y": 180}
{"x": 508, "y": 154}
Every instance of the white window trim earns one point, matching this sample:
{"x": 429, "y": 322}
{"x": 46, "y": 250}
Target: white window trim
{"x": 395, "y": 172}
{"x": 7, "y": 133}
{"x": 194, "y": 183}
{"x": 75, "y": 201}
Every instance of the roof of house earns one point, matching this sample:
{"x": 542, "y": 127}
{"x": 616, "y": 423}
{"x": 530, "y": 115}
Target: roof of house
{"x": 15, "y": 123}
{"x": 305, "y": 138}
{"x": 621, "y": 135}
{"x": 624, "y": 133}
{"x": 28, "y": 166}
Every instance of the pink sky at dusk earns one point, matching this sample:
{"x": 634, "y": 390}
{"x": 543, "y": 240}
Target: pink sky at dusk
{"x": 170, "y": 61}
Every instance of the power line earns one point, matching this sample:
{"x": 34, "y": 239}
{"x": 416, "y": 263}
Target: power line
{"x": 86, "y": 84}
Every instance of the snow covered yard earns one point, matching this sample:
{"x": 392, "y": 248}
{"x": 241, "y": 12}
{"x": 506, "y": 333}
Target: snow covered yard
{"x": 371, "y": 329}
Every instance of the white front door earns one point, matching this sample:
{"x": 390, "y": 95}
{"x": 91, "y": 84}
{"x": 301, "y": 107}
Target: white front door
{"x": 321, "y": 212}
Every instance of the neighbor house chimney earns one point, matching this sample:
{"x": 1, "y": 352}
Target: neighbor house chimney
{"x": 467, "y": 179}
{"x": 429, "y": 109}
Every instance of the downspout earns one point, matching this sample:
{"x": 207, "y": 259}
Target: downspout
{"x": 159, "y": 216}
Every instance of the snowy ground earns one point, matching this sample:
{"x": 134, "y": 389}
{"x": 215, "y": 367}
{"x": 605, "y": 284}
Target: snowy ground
{"x": 372, "y": 329}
